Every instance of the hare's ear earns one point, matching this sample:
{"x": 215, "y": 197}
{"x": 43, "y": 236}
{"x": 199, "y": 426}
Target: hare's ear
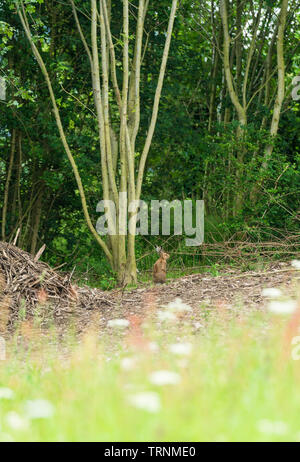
{"x": 158, "y": 249}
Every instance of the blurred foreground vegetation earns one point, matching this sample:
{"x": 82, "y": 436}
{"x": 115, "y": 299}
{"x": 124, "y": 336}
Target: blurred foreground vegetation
{"x": 199, "y": 150}
{"x": 230, "y": 378}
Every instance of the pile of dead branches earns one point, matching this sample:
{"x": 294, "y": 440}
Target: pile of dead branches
{"x": 27, "y": 282}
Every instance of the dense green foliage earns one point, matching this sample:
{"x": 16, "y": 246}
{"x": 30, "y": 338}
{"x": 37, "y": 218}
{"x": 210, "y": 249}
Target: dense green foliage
{"x": 196, "y": 152}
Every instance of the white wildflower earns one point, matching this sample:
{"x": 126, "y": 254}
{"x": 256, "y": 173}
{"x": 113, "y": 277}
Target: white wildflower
{"x": 272, "y": 427}
{"x": 164, "y": 378}
{"x": 177, "y": 306}
{"x": 118, "y": 323}
{"x": 198, "y": 325}
{"x": 39, "y": 409}
{"x": 296, "y": 264}
{"x": 181, "y": 348}
{"x": 282, "y": 307}
{"x": 128, "y": 364}
{"x": 271, "y": 292}
{"x": 265, "y": 426}
{"x": 6, "y": 393}
{"x": 148, "y": 401}
{"x": 15, "y": 421}
{"x": 280, "y": 428}
{"x": 153, "y": 346}
{"x": 166, "y": 316}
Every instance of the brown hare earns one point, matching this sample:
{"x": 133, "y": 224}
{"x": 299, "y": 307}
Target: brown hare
{"x": 160, "y": 266}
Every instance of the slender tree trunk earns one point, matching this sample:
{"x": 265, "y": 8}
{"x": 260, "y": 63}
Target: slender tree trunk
{"x": 240, "y": 108}
{"x": 25, "y": 24}
{"x": 37, "y": 212}
{"x": 279, "y": 98}
{"x": 128, "y": 104}
{"x": 7, "y": 182}
{"x": 281, "y": 86}
{"x": 17, "y": 184}
{"x": 212, "y": 97}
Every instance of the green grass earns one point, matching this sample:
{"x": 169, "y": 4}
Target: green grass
{"x": 238, "y": 384}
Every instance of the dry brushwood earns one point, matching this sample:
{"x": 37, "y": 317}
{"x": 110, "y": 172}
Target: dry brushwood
{"x": 25, "y": 280}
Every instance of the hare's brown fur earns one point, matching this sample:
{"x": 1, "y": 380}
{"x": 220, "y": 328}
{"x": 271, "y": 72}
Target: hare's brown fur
{"x": 160, "y": 268}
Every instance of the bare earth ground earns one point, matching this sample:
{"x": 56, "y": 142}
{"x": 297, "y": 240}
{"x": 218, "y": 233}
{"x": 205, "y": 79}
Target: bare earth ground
{"x": 31, "y": 289}
{"x": 236, "y": 291}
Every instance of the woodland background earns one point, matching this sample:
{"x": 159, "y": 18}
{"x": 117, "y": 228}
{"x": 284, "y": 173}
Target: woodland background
{"x": 212, "y": 141}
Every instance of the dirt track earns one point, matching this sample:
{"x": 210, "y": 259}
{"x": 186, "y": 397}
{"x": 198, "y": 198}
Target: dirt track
{"x": 33, "y": 287}
{"x": 234, "y": 291}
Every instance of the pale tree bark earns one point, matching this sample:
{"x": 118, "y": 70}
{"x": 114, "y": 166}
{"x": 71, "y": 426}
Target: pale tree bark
{"x": 279, "y": 96}
{"x": 214, "y": 71}
{"x": 115, "y": 156}
{"x": 242, "y": 92}
{"x": 249, "y": 59}
{"x": 280, "y": 85}
{"x": 240, "y": 109}
{"x": 128, "y": 101}
{"x": 127, "y": 144}
{"x": 22, "y": 15}
{"x": 238, "y": 43}
{"x": 267, "y": 75}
